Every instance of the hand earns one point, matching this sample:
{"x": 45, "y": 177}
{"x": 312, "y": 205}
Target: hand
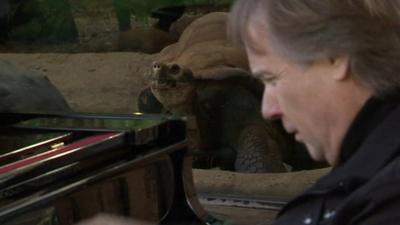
{"x": 107, "y": 219}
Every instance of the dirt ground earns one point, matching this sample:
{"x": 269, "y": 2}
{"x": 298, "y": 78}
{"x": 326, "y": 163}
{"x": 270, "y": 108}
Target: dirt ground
{"x": 92, "y": 82}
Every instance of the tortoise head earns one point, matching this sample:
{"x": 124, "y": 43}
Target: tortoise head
{"x": 174, "y": 86}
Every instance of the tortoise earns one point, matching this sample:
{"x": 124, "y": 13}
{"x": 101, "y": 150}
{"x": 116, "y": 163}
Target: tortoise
{"x": 204, "y": 77}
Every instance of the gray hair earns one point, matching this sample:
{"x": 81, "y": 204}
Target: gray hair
{"x": 367, "y": 31}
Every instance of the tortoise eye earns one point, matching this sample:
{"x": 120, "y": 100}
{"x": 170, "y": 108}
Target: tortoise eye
{"x": 175, "y": 69}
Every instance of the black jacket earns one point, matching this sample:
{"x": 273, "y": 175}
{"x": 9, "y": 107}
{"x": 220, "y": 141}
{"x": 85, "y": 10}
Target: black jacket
{"x": 365, "y": 187}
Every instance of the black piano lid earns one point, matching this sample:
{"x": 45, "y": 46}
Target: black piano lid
{"x": 85, "y": 121}
{"x": 123, "y": 134}
{"x": 144, "y": 128}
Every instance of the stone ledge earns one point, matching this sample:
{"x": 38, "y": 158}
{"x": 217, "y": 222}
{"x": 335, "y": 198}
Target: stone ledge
{"x": 274, "y": 185}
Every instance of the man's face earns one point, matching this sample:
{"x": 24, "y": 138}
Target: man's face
{"x": 303, "y": 97}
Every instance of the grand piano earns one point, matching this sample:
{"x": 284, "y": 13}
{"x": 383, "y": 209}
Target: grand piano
{"x": 61, "y": 169}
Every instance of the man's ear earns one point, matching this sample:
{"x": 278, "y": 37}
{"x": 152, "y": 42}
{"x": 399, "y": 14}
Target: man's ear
{"x": 340, "y": 66}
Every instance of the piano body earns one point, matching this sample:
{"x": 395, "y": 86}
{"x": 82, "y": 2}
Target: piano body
{"x": 61, "y": 169}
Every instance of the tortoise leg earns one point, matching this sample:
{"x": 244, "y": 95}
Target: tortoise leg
{"x": 258, "y": 151}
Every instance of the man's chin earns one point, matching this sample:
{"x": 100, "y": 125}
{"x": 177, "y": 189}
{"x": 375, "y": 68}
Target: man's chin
{"x": 315, "y": 153}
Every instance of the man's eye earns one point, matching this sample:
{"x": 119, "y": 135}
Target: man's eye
{"x": 269, "y": 81}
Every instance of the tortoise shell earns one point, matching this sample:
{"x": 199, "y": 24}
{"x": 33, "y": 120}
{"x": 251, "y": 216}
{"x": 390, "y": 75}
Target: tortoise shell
{"x": 205, "y": 49}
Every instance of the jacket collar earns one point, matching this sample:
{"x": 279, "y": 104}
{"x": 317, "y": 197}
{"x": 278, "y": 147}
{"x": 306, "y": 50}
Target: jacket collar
{"x": 372, "y": 141}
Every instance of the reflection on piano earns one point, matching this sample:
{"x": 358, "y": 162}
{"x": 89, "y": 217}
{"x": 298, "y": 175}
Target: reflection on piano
{"x": 61, "y": 169}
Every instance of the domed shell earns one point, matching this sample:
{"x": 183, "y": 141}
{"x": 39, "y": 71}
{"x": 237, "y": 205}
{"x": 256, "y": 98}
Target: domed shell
{"x": 205, "y": 49}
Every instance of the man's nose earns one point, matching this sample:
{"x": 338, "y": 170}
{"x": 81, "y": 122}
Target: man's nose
{"x": 270, "y": 108}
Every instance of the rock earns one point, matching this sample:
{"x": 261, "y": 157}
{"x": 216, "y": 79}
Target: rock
{"x": 147, "y": 40}
{"x": 27, "y": 91}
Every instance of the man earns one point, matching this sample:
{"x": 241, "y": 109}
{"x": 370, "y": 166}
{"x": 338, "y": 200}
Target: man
{"x": 331, "y": 75}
